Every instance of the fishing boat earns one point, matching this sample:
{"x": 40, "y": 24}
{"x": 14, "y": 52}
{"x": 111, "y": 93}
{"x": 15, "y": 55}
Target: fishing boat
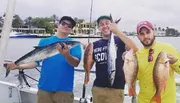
{"x": 12, "y": 93}
{"x": 22, "y": 35}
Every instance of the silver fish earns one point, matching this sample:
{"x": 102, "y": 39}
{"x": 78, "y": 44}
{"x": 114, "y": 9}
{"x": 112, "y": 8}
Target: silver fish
{"x": 42, "y": 52}
{"x": 112, "y": 56}
{"x": 111, "y": 59}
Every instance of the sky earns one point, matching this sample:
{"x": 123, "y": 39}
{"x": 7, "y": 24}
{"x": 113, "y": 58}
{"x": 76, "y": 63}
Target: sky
{"x": 163, "y": 13}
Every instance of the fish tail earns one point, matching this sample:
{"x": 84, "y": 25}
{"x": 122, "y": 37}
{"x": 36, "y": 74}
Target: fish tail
{"x": 132, "y": 91}
{"x": 156, "y": 98}
{"x": 7, "y": 70}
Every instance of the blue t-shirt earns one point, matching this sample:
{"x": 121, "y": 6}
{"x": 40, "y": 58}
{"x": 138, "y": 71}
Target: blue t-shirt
{"x": 56, "y": 73}
{"x": 100, "y": 58}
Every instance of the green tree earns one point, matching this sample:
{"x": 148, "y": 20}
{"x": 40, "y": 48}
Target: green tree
{"x": 28, "y": 22}
{"x": 43, "y": 23}
{"x": 54, "y": 19}
{"x": 17, "y": 21}
{"x": 80, "y": 20}
{"x": 76, "y": 19}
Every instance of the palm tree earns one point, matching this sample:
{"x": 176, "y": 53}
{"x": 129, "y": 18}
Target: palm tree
{"x": 81, "y": 20}
{"x": 28, "y": 22}
{"x": 76, "y": 19}
{"x": 54, "y": 19}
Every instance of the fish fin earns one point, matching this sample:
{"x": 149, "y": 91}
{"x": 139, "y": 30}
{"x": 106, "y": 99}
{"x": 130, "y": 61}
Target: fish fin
{"x": 156, "y": 98}
{"x": 164, "y": 84}
{"x": 7, "y": 70}
{"x": 170, "y": 73}
{"x": 132, "y": 91}
{"x": 117, "y": 21}
{"x": 154, "y": 87}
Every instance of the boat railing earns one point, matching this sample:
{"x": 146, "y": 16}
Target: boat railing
{"x": 133, "y": 98}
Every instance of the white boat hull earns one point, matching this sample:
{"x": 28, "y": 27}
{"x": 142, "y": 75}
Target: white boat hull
{"x": 10, "y": 93}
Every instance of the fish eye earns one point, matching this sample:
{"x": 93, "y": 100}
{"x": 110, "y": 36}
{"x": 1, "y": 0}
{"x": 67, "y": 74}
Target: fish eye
{"x": 166, "y": 62}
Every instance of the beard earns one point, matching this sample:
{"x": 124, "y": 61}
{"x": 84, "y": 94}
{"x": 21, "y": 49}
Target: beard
{"x": 149, "y": 44}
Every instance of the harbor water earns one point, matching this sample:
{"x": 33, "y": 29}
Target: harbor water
{"x": 18, "y": 47}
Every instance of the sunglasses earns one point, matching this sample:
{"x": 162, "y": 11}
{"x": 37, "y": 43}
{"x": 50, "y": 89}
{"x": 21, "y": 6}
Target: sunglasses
{"x": 150, "y": 57}
{"x": 68, "y": 25}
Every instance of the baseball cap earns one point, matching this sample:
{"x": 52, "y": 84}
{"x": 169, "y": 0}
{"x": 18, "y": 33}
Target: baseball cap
{"x": 145, "y": 24}
{"x": 69, "y": 19}
{"x": 103, "y": 17}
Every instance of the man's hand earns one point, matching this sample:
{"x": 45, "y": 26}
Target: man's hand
{"x": 11, "y": 66}
{"x": 114, "y": 28}
{"x": 63, "y": 50}
{"x": 172, "y": 58}
{"x": 123, "y": 55}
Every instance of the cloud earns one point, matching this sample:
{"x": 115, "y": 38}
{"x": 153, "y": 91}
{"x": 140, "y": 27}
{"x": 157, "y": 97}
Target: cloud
{"x": 162, "y": 12}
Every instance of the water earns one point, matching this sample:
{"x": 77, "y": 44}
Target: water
{"x": 18, "y": 47}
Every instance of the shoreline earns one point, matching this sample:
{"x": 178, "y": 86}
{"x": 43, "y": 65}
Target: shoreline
{"x": 97, "y": 36}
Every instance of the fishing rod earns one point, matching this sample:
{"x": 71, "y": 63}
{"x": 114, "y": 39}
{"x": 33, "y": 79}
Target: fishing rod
{"x": 90, "y": 21}
{"x": 83, "y": 98}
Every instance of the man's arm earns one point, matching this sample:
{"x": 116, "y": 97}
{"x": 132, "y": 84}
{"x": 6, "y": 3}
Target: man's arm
{"x": 127, "y": 41}
{"x": 174, "y": 59}
{"x": 88, "y": 61}
{"x": 72, "y": 60}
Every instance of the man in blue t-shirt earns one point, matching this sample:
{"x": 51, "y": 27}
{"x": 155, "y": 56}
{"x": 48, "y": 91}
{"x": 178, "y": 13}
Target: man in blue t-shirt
{"x": 57, "y": 72}
{"x": 103, "y": 91}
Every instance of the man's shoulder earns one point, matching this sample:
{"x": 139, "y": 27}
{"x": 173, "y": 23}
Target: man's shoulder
{"x": 140, "y": 51}
{"x": 98, "y": 40}
{"x": 163, "y": 44}
{"x": 118, "y": 40}
{"x": 45, "y": 41}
